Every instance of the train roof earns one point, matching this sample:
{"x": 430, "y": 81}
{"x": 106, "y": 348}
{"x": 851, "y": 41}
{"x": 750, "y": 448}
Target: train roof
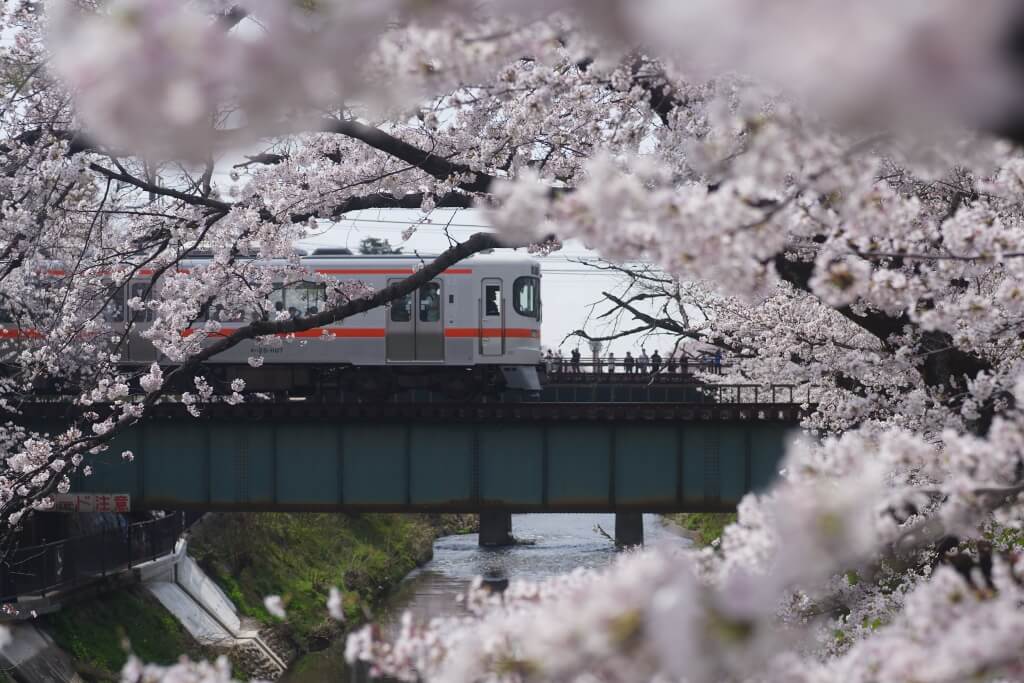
{"x": 490, "y": 257}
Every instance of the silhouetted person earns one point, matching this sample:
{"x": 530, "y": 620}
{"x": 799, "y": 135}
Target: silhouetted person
{"x": 718, "y": 362}
{"x": 629, "y": 363}
{"x": 655, "y": 362}
{"x": 575, "y": 355}
{"x": 549, "y": 363}
{"x": 670, "y": 364}
{"x": 642, "y": 362}
{"x": 684, "y": 363}
{"x": 611, "y": 363}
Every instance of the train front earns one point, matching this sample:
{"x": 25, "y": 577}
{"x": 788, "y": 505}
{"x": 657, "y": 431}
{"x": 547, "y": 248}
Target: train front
{"x": 516, "y": 338}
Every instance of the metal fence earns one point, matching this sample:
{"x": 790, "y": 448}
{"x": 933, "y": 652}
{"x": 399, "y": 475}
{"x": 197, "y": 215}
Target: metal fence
{"x": 619, "y": 367}
{"x": 79, "y": 560}
{"x": 679, "y": 392}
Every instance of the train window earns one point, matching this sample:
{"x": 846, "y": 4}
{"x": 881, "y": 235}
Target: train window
{"x": 222, "y": 314}
{"x": 430, "y": 302}
{"x": 276, "y": 301}
{"x": 401, "y": 309}
{"x": 113, "y": 309}
{"x": 526, "y": 297}
{"x": 308, "y": 298}
{"x": 5, "y": 315}
{"x": 492, "y": 300}
{"x": 139, "y": 289}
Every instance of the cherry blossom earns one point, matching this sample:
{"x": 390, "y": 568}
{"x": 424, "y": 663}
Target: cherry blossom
{"x": 828, "y": 191}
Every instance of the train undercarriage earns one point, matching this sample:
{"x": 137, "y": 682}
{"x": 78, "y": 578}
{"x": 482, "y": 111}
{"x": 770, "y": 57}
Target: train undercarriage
{"x": 349, "y": 382}
{"x": 332, "y": 383}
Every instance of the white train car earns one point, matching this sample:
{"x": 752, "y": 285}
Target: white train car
{"x": 473, "y": 328}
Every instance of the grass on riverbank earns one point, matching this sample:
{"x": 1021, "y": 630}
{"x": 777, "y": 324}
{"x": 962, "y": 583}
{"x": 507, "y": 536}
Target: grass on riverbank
{"x": 95, "y": 631}
{"x": 705, "y": 527}
{"x": 299, "y": 556}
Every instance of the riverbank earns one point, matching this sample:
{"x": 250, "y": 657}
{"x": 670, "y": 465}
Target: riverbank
{"x": 251, "y": 555}
{"x": 96, "y": 633}
{"x": 703, "y": 528}
{"x": 301, "y": 556}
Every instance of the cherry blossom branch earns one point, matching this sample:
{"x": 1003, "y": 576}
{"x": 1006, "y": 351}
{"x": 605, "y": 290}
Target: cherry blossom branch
{"x": 673, "y": 326}
{"x": 195, "y": 200}
{"x": 426, "y": 161}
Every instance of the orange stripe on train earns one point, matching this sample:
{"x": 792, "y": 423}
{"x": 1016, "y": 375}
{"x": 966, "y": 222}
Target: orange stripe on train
{"x": 306, "y": 334}
{"x": 376, "y": 332}
{"x": 514, "y": 332}
{"x": 386, "y": 271}
{"x": 372, "y": 332}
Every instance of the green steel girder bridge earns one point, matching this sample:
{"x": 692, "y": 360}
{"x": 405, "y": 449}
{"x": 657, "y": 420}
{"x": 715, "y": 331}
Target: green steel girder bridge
{"x": 492, "y": 458}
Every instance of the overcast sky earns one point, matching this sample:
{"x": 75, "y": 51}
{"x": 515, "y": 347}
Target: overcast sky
{"x": 569, "y": 289}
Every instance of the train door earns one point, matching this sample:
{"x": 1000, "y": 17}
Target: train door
{"x": 429, "y": 323}
{"x": 492, "y": 318}
{"x": 400, "y": 341}
{"x": 139, "y": 348}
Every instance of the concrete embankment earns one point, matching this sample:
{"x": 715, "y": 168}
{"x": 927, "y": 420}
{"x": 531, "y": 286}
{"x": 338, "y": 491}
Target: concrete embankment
{"x": 212, "y": 619}
{"x": 208, "y": 598}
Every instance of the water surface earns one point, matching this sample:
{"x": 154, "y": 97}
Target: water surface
{"x": 552, "y": 544}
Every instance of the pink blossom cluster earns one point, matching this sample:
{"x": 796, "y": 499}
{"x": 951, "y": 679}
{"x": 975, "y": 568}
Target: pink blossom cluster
{"x": 821, "y": 188}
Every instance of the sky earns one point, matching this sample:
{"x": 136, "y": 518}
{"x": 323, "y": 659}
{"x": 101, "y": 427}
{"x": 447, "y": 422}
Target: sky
{"x": 569, "y": 289}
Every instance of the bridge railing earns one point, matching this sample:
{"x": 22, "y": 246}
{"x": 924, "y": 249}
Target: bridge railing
{"x": 618, "y": 367}
{"x": 689, "y": 392}
{"x": 64, "y": 564}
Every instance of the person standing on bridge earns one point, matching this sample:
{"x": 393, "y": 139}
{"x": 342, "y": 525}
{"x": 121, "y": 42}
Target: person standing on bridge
{"x": 718, "y": 362}
{"x": 628, "y": 362}
{"x": 611, "y": 363}
{"x": 550, "y": 363}
{"x": 684, "y": 363}
{"x": 655, "y": 362}
{"x": 642, "y": 362}
{"x": 576, "y": 361}
{"x": 670, "y": 364}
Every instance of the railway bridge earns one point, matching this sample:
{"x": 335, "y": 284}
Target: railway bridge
{"x": 701, "y": 451}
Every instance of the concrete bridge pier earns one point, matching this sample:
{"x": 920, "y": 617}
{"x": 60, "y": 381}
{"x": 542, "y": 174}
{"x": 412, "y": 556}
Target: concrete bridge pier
{"x": 629, "y": 529}
{"x": 495, "y": 528}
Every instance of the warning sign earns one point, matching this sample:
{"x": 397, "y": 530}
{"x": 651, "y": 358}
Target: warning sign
{"x": 92, "y": 502}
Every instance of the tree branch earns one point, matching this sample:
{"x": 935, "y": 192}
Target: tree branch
{"x": 195, "y": 200}
{"x": 426, "y": 161}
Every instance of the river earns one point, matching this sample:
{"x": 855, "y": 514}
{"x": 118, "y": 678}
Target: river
{"x": 552, "y": 544}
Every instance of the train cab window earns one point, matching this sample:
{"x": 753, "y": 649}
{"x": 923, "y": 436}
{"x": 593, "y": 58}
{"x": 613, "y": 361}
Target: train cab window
{"x": 401, "y": 309}
{"x": 492, "y": 299}
{"x": 5, "y": 315}
{"x": 526, "y": 297}
{"x": 430, "y": 302}
{"x": 139, "y": 289}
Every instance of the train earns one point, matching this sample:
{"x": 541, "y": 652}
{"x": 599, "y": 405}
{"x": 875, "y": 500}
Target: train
{"x": 472, "y": 330}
